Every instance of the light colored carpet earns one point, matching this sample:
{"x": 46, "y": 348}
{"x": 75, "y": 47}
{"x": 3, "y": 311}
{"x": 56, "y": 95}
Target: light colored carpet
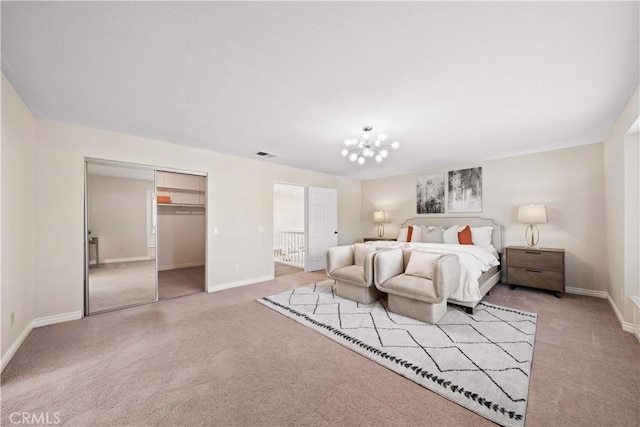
{"x": 223, "y": 359}
{"x": 180, "y": 282}
{"x": 480, "y": 361}
{"x": 121, "y": 284}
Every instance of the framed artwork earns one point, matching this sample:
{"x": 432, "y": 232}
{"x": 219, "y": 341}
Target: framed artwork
{"x": 430, "y": 193}
{"x": 465, "y": 190}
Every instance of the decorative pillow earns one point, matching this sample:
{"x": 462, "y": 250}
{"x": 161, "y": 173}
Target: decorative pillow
{"x": 421, "y": 264}
{"x": 450, "y": 235}
{"x": 432, "y": 235}
{"x": 409, "y": 234}
{"x": 481, "y": 236}
{"x": 361, "y": 251}
{"x": 464, "y": 236}
{"x": 415, "y": 235}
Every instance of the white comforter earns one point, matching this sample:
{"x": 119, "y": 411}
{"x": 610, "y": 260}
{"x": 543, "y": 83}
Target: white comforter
{"x": 474, "y": 260}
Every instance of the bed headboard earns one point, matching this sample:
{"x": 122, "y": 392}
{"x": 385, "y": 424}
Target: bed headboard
{"x": 472, "y": 221}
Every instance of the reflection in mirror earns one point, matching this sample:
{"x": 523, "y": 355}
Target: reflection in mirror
{"x": 121, "y": 236}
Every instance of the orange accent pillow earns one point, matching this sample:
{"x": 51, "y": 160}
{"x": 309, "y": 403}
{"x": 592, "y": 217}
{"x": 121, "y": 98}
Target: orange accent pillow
{"x": 409, "y": 233}
{"x": 464, "y": 236}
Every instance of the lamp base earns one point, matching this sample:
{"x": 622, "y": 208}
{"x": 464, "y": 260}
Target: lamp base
{"x": 531, "y": 236}
{"x": 380, "y": 230}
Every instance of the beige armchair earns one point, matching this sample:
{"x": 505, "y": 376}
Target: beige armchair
{"x": 351, "y": 266}
{"x": 418, "y": 283}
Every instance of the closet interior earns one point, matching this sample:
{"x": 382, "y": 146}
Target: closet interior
{"x": 181, "y": 204}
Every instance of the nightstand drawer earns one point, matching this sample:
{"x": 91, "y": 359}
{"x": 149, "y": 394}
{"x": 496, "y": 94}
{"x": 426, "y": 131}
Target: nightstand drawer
{"x": 536, "y": 278}
{"x": 536, "y": 259}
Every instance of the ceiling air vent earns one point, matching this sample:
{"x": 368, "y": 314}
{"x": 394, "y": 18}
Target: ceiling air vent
{"x": 265, "y": 154}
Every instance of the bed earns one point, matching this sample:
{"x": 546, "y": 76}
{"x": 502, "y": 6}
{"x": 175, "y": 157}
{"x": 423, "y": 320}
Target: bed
{"x": 481, "y": 264}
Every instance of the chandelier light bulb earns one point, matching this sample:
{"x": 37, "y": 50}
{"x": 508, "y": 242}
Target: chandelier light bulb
{"x": 375, "y": 147}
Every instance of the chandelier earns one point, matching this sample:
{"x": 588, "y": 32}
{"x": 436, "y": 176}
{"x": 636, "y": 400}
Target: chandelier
{"x": 368, "y": 147}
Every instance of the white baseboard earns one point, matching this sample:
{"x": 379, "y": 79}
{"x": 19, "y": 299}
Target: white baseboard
{"x": 626, "y": 326}
{"x": 586, "y": 292}
{"x": 239, "y": 283}
{"x": 36, "y": 323}
{"x": 57, "y": 318}
{"x": 16, "y": 345}
{"x": 127, "y": 259}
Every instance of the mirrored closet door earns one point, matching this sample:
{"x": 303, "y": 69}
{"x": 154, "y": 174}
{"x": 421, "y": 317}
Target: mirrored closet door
{"x": 120, "y": 224}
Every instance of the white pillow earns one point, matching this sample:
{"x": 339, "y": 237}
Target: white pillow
{"x": 481, "y": 236}
{"x": 450, "y": 235}
{"x": 361, "y": 251}
{"x": 421, "y": 264}
{"x": 432, "y": 235}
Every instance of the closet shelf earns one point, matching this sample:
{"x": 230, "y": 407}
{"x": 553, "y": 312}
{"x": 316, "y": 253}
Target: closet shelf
{"x": 192, "y": 205}
{"x": 181, "y": 190}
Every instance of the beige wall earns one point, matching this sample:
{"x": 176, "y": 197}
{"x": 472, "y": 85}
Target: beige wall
{"x": 181, "y": 238}
{"x": 118, "y": 215}
{"x": 240, "y": 201}
{"x": 617, "y": 219}
{"x": 17, "y": 186}
{"x": 569, "y": 182}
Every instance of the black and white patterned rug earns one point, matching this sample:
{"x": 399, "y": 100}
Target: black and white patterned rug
{"x": 480, "y": 361}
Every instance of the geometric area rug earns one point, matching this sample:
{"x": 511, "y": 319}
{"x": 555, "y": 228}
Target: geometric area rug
{"x": 480, "y": 361}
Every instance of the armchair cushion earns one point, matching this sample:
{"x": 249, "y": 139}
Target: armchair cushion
{"x": 421, "y": 264}
{"x": 352, "y": 274}
{"x": 411, "y": 287}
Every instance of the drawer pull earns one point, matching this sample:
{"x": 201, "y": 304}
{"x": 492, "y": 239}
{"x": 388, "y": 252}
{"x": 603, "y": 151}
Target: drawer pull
{"x": 533, "y": 253}
{"x": 533, "y": 271}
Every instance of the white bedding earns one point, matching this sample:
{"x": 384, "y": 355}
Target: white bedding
{"x": 474, "y": 260}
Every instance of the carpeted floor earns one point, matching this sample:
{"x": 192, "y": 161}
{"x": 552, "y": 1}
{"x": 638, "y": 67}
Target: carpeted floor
{"x": 180, "y": 282}
{"x": 224, "y": 359}
{"x": 281, "y": 269}
{"x": 481, "y": 361}
{"x": 121, "y": 284}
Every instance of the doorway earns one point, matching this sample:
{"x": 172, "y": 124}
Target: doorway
{"x": 289, "y": 254}
{"x": 305, "y": 225}
{"x": 181, "y": 203}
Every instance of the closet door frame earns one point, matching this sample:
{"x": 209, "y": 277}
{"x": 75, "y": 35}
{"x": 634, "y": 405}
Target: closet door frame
{"x": 155, "y": 170}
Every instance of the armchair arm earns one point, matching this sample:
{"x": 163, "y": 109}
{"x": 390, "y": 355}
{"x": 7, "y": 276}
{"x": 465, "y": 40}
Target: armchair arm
{"x": 386, "y": 265}
{"x": 340, "y": 256}
{"x": 446, "y": 276}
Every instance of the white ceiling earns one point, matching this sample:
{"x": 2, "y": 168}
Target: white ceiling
{"x": 456, "y": 83}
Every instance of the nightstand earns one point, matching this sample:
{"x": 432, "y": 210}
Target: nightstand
{"x": 540, "y": 268}
{"x": 376, "y": 239}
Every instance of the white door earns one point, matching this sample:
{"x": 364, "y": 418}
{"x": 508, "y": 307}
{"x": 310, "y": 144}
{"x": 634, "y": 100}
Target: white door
{"x": 322, "y": 225}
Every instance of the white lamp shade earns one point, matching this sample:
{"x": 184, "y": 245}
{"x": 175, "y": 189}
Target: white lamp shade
{"x": 381, "y": 216}
{"x": 532, "y": 214}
